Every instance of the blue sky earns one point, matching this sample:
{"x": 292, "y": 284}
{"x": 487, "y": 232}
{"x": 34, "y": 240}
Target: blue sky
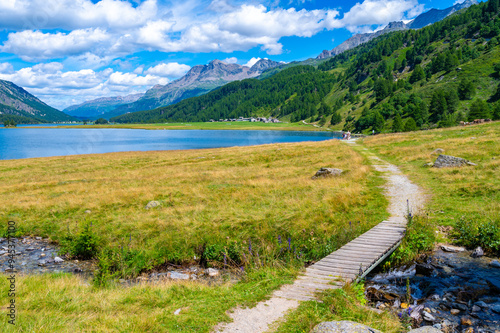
{"x": 69, "y": 51}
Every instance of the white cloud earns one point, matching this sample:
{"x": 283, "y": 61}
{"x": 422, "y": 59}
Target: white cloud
{"x": 71, "y": 14}
{"x": 379, "y": 12}
{"x": 6, "y": 68}
{"x": 231, "y": 60}
{"x": 171, "y": 69}
{"x": 131, "y": 79}
{"x": 38, "y": 45}
{"x": 251, "y": 62}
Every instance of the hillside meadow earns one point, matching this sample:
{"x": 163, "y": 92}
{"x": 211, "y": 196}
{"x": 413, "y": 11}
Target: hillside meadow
{"x": 466, "y": 199}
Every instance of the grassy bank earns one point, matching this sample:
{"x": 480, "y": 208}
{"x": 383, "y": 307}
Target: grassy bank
{"x": 467, "y": 198}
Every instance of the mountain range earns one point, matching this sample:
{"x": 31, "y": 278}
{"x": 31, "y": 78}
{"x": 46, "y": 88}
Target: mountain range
{"x": 97, "y": 108}
{"x": 21, "y": 106}
{"x": 197, "y": 81}
{"x": 422, "y": 20}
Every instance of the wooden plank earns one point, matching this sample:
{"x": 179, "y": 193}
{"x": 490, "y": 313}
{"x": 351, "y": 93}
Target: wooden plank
{"x": 318, "y": 286}
{"x": 321, "y": 266}
{"x": 334, "y": 273}
{"x": 352, "y": 254}
{"x": 352, "y": 265}
{"x": 373, "y": 242}
{"x": 344, "y": 260}
{"x": 362, "y": 247}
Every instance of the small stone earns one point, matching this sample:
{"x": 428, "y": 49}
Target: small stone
{"x": 152, "y": 204}
{"x": 460, "y": 306}
{"x": 437, "y": 326}
{"x": 476, "y": 308}
{"x": 428, "y": 316}
{"x": 465, "y": 321}
{"x": 176, "y": 312}
{"x": 38, "y": 238}
{"x": 30, "y": 249}
{"x": 454, "y": 249}
{"x": 454, "y": 311}
{"x": 343, "y": 326}
{"x": 178, "y": 276}
{"x": 213, "y": 272}
{"x": 496, "y": 308}
{"x": 122, "y": 281}
{"x": 481, "y": 304}
{"x": 494, "y": 263}
{"x": 478, "y": 252}
{"x": 88, "y": 211}
{"x": 429, "y": 165}
{"x": 42, "y": 255}
{"x": 438, "y": 151}
{"x": 469, "y": 330}
{"x": 327, "y": 172}
{"x": 58, "y": 260}
{"x": 42, "y": 263}
{"x": 77, "y": 270}
{"x": 2, "y": 252}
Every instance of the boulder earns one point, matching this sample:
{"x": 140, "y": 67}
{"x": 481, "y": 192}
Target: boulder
{"x": 446, "y": 161}
{"x": 494, "y": 263}
{"x": 212, "y": 272}
{"x": 424, "y": 269}
{"x": 478, "y": 252}
{"x": 58, "y": 260}
{"x": 344, "y": 326}
{"x": 327, "y": 172}
{"x": 449, "y": 248}
{"x": 178, "y": 276}
{"x": 152, "y": 204}
{"x": 496, "y": 308}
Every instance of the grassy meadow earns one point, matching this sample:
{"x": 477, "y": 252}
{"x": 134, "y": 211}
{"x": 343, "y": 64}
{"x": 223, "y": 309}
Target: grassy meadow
{"x": 256, "y": 205}
{"x": 466, "y": 199}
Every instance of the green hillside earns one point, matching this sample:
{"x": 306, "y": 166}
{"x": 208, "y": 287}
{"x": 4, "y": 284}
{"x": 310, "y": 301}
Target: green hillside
{"x": 406, "y": 80}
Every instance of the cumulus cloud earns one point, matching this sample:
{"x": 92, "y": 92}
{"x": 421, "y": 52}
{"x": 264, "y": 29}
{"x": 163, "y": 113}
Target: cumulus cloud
{"x": 60, "y": 88}
{"x": 231, "y": 60}
{"x": 38, "y": 45}
{"x": 379, "y": 12}
{"x": 70, "y": 14}
{"x": 172, "y": 69}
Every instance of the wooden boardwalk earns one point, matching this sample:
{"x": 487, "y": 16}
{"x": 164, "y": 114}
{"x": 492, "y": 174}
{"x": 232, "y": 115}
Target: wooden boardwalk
{"x": 349, "y": 263}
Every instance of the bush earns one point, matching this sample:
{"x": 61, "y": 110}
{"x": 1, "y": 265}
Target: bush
{"x": 81, "y": 246}
{"x": 472, "y": 233}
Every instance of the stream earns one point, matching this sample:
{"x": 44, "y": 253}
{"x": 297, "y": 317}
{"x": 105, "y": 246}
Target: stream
{"x": 449, "y": 289}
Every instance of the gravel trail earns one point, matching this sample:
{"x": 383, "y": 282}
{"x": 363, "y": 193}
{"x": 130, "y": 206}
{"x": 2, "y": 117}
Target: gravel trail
{"x": 402, "y": 194}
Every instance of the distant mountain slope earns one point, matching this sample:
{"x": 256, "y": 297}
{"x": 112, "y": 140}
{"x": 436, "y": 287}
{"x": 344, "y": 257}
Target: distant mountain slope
{"x": 16, "y": 101}
{"x": 407, "y": 80}
{"x": 199, "y": 80}
{"x": 99, "y": 107}
{"x": 429, "y": 17}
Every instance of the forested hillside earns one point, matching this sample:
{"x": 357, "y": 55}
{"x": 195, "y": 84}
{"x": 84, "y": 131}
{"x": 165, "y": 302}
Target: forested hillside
{"x": 415, "y": 79}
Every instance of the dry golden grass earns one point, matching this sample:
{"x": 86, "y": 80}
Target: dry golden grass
{"x": 213, "y": 196}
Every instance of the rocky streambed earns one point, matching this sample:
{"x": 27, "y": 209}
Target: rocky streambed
{"x": 453, "y": 290}
{"x": 35, "y": 255}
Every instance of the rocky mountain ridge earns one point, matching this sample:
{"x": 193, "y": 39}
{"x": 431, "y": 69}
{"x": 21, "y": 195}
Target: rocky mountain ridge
{"x": 98, "y": 107}
{"x": 422, "y": 20}
{"x": 15, "y": 101}
{"x": 198, "y": 80}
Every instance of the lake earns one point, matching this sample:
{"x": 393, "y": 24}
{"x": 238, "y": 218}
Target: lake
{"x": 28, "y": 142}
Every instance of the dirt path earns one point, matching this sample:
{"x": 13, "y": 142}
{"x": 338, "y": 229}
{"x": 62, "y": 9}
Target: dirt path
{"x": 402, "y": 195}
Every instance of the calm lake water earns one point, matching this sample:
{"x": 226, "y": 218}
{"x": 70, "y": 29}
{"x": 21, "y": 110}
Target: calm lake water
{"x": 28, "y": 142}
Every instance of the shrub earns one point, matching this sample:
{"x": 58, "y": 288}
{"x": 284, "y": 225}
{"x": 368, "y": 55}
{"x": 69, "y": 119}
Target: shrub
{"x": 82, "y": 246}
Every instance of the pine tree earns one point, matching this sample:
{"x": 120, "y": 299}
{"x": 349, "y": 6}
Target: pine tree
{"x": 466, "y": 89}
{"x": 417, "y": 74}
{"x": 397, "y": 125}
{"x": 410, "y": 125}
{"x": 479, "y": 110}
{"x": 336, "y": 118}
{"x": 378, "y": 122}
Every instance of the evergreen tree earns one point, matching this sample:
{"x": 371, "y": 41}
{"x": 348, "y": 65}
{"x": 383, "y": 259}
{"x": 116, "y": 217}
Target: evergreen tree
{"x": 496, "y": 112}
{"x": 410, "y": 125}
{"x": 466, "y": 89}
{"x": 397, "y": 125}
{"x": 478, "y": 110}
{"x": 417, "y": 74}
{"x": 336, "y": 118}
{"x": 378, "y": 122}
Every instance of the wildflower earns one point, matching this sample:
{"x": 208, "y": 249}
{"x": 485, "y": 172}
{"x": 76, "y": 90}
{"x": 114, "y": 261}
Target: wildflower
{"x": 250, "y": 246}
{"x": 289, "y": 243}
{"x": 279, "y": 239}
